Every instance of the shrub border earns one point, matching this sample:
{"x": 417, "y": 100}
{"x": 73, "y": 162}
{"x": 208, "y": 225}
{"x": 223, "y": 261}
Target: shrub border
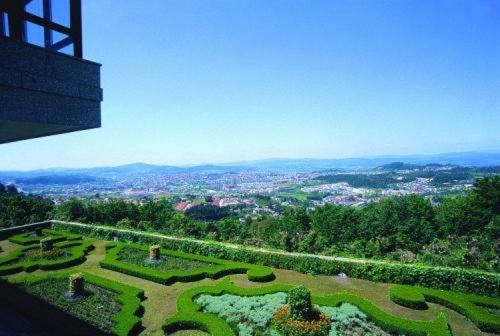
{"x": 189, "y": 314}
{"x": 77, "y": 251}
{"x": 127, "y": 320}
{"x": 469, "y": 305}
{"x": 55, "y": 236}
{"x": 223, "y": 267}
{"x": 455, "y": 279}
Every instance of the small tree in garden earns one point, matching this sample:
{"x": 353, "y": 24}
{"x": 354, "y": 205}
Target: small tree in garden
{"x": 154, "y": 252}
{"x": 76, "y": 283}
{"x": 299, "y": 300}
{"x": 46, "y": 244}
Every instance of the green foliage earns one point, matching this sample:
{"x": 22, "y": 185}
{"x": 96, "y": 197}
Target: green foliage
{"x": 397, "y": 228}
{"x": 456, "y": 279}
{"x": 407, "y": 296}
{"x": 96, "y": 307}
{"x": 317, "y": 323}
{"x": 190, "y": 315}
{"x": 23, "y": 258}
{"x": 472, "y": 306}
{"x": 121, "y": 316}
{"x": 30, "y": 238}
{"x": 246, "y": 315}
{"x": 16, "y": 209}
{"x": 347, "y": 319}
{"x": 140, "y": 257}
{"x": 207, "y": 211}
{"x": 299, "y": 299}
{"x": 382, "y": 180}
{"x": 213, "y": 267}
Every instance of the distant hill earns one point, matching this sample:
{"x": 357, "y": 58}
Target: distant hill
{"x": 466, "y": 159}
{"x": 56, "y": 179}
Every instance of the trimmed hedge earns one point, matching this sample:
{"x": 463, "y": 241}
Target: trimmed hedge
{"x": 76, "y": 250}
{"x": 455, "y": 279}
{"x": 189, "y": 313}
{"x": 127, "y": 321}
{"x": 471, "y": 306}
{"x": 407, "y": 296}
{"x": 27, "y": 238}
{"x": 223, "y": 267}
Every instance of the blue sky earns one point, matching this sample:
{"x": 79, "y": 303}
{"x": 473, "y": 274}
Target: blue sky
{"x": 215, "y": 81}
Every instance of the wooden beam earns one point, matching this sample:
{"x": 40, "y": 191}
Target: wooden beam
{"x": 75, "y": 7}
{"x": 47, "y": 15}
{"x": 61, "y": 44}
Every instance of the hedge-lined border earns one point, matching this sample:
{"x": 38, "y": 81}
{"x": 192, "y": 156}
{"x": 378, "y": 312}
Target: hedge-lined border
{"x": 77, "y": 250}
{"x": 189, "y": 313}
{"x": 471, "y": 306}
{"x": 127, "y": 320}
{"x": 455, "y": 279}
{"x": 27, "y": 238}
{"x": 223, "y": 267}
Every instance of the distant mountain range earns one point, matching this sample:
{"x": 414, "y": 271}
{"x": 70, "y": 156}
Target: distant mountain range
{"x": 44, "y": 176}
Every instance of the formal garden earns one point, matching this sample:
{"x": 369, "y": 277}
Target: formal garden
{"x": 118, "y": 283}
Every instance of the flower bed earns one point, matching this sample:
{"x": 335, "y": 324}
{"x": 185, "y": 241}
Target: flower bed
{"x": 110, "y": 306}
{"x": 30, "y": 258}
{"x": 213, "y": 268}
{"x": 190, "y": 313}
{"x": 140, "y": 257}
{"x": 473, "y": 306}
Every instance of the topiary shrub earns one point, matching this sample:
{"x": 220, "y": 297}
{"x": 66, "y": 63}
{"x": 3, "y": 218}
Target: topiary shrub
{"x": 154, "y": 252}
{"x": 299, "y": 300}
{"x": 76, "y": 285}
{"x": 299, "y": 318}
{"x": 46, "y": 244}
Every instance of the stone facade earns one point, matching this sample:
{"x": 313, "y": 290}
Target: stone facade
{"x": 45, "y": 92}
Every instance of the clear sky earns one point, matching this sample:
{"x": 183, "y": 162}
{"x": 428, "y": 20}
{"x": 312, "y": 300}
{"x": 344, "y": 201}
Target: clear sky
{"x": 214, "y": 81}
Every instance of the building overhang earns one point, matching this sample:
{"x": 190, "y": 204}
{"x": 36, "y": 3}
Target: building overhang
{"x": 43, "y": 92}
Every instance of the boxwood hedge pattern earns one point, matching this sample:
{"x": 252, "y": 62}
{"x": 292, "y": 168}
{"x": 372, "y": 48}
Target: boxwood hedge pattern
{"x": 29, "y": 238}
{"x": 455, "y": 279}
{"x": 472, "y": 306}
{"x": 221, "y": 268}
{"x": 127, "y": 320}
{"x": 76, "y": 250}
{"x": 189, "y": 315}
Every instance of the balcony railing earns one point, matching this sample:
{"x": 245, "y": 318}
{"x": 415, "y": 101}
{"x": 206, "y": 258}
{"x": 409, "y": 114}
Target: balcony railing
{"x": 14, "y": 18}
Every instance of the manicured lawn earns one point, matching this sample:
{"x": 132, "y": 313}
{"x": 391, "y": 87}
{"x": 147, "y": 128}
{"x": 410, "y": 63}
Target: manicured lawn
{"x": 160, "y": 302}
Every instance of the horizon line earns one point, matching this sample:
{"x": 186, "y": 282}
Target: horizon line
{"x": 239, "y": 162}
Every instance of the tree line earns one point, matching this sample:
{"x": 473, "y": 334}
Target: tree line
{"x": 462, "y": 231}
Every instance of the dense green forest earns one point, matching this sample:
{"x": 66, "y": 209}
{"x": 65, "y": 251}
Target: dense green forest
{"x": 460, "y": 231}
